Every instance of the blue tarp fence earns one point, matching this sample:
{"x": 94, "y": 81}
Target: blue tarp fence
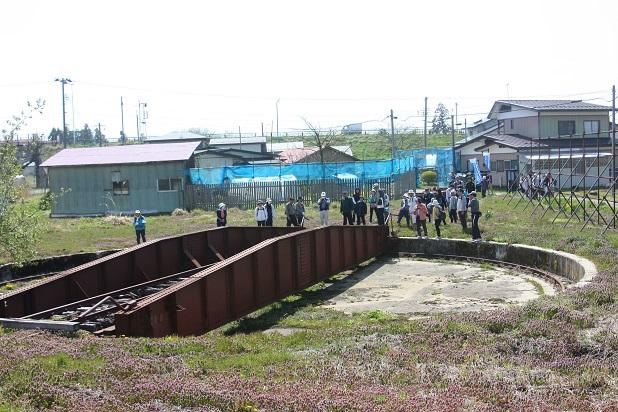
{"x": 440, "y": 160}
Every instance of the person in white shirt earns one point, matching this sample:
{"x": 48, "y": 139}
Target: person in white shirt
{"x": 462, "y": 210}
{"x": 260, "y": 214}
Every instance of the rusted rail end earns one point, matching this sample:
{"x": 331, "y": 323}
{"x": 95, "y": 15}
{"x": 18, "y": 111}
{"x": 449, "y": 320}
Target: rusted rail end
{"x": 252, "y": 279}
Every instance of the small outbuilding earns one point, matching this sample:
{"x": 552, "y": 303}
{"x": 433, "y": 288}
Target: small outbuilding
{"x": 96, "y": 181}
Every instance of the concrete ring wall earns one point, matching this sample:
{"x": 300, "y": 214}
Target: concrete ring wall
{"x": 577, "y": 269}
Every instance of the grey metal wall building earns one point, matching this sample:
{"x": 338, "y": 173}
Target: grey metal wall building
{"x": 119, "y": 179}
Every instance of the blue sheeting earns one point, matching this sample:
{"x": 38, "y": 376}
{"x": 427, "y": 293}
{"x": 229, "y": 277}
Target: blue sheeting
{"x": 413, "y": 160}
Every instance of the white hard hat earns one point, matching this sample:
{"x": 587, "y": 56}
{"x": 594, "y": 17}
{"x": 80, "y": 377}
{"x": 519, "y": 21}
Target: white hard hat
{"x": 221, "y": 205}
{"x": 323, "y": 194}
{"x": 137, "y": 212}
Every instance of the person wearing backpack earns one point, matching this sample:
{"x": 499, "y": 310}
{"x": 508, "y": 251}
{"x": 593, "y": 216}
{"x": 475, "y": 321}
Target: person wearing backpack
{"x": 380, "y": 210}
{"x": 260, "y": 214}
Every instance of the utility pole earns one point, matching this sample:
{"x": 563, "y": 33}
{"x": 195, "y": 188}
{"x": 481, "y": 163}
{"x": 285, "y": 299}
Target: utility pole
{"x": 425, "y": 128}
{"x": 137, "y": 123}
{"x": 614, "y": 149}
{"x": 122, "y": 135}
{"x": 453, "y": 138}
{"x": 392, "y": 142}
{"x": 64, "y": 120}
{"x": 240, "y": 137}
{"x": 277, "y": 109}
{"x": 456, "y": 113}
{"x": 139, "y": 108}
{"x": 100, "y": 136}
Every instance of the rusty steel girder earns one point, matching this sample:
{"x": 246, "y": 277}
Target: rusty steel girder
{"x": 142, "y": 263}
{"x": 251, "y": 279}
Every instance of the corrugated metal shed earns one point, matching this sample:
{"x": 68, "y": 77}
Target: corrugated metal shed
{"x": 128, "y": 154}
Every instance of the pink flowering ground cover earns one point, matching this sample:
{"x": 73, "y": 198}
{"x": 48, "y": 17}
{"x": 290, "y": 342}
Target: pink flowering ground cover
{"x": 556, "y": 353}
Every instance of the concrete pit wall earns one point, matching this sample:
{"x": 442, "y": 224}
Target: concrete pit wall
{"x": 578, "y": 270}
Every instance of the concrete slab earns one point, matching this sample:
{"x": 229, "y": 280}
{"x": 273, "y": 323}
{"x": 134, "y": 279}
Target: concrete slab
{"x": 422, "y": 287}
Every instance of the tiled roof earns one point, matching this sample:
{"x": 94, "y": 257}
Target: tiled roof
{"x": 295, "y": 155}
{"x": 128, "y": 154}
{"x": 556, "y": 105}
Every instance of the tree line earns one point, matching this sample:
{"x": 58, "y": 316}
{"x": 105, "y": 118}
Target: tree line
{"x": 84, "y": 137}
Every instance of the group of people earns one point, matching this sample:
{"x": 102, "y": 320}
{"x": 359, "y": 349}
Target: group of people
{"x": 432, "y": 205}
{"x": 535, "y": 185}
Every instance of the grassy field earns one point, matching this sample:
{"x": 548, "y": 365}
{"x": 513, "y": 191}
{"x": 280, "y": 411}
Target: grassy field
{"x": 555, "y": 353}
{"x": 376, "y": 146}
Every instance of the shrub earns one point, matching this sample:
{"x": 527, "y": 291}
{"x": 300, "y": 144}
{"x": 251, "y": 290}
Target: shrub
{"x": 429, "y": 178}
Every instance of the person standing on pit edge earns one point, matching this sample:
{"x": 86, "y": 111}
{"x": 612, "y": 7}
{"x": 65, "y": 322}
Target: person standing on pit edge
{"x": 139, "y": 222}
{"x": 221, "y": 215}
{"x": 290, "y": 212}
{"x": 360, "y": 210}
{"x": 438, "y": 215}
{"x": 346, "y": 208}
{"x": 373, "y": 200}
{"x": 421, "y": 213}
{"x": 270, "y": 211}
{"x": 260, "y": 214}
{"x": 300, "y": 212}
{"x": 323, "y": 207}
{"x": 475, "y": 211}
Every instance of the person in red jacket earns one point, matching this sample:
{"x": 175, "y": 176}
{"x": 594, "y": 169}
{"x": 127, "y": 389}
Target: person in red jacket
{"x": 421, "y": 213}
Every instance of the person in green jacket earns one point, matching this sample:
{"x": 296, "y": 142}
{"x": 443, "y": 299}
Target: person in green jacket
{"x": 347, "y": 206}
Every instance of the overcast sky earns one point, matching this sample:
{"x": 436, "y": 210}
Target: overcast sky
{"x": 223, "y": 65}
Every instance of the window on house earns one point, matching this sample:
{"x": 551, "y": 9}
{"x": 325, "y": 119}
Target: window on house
{"x": 499, "y": 165}
{"x": 121, "y": 187}
{"x": 492, "y": 165}
{"x": 566, "y": 127}
{"x": 512, "y": 124}
{"x": 169, "y": 185}
{"x": 592, "y": 126}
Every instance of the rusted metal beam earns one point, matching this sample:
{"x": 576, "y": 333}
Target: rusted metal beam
{"x": 151, "y": 260}
{"x": 249, "y": 280}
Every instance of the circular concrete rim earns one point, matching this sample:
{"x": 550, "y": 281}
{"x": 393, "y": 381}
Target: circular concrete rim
{"x": 588, "y": 267}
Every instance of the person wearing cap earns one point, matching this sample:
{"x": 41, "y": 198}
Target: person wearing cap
{"x": 373, "y": 200}
{"x": 323, "y": 207}
{"x": 290, "y": 212}
{"x": 404, "y": 211}
{"x": 380, "y": 205}
{"x": 270, "y": 211}
{"x": 475, "y": 212}
{"x": 437, "y": 212}
{"x": 299, "y": 206}
{"x": 260, "y": 214}
{"x": 221, "y": 215}
{"x": 346, "y": 208}
{"x": 139, "y": 222}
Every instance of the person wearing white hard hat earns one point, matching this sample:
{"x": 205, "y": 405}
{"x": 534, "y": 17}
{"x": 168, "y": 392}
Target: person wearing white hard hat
{"x": 221, "y": 215}
{"x": 139, "y": 222}
{"x": 260, "y": 214}
{"x": 323, "y": 207}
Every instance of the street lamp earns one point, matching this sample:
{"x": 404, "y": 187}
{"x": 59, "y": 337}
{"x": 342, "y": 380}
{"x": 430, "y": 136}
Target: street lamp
{"x": 64, "y": 121}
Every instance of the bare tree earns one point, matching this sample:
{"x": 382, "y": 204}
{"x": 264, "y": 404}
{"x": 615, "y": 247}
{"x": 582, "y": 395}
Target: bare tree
{"x": 322, "y": 140}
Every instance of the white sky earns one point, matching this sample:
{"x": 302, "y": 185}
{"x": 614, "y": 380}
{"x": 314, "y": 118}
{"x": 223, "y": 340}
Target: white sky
{"x": 221, "y": 65}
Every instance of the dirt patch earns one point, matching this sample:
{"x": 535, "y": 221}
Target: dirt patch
{"x": 421, "y": 287}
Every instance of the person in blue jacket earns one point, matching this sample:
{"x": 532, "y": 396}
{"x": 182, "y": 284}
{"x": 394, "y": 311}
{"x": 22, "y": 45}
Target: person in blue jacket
{"x": 139, "y": 222}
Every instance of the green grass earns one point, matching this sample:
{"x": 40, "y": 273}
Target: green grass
{"x": 376, "y": 146}
{"x": 537, "y": 285}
